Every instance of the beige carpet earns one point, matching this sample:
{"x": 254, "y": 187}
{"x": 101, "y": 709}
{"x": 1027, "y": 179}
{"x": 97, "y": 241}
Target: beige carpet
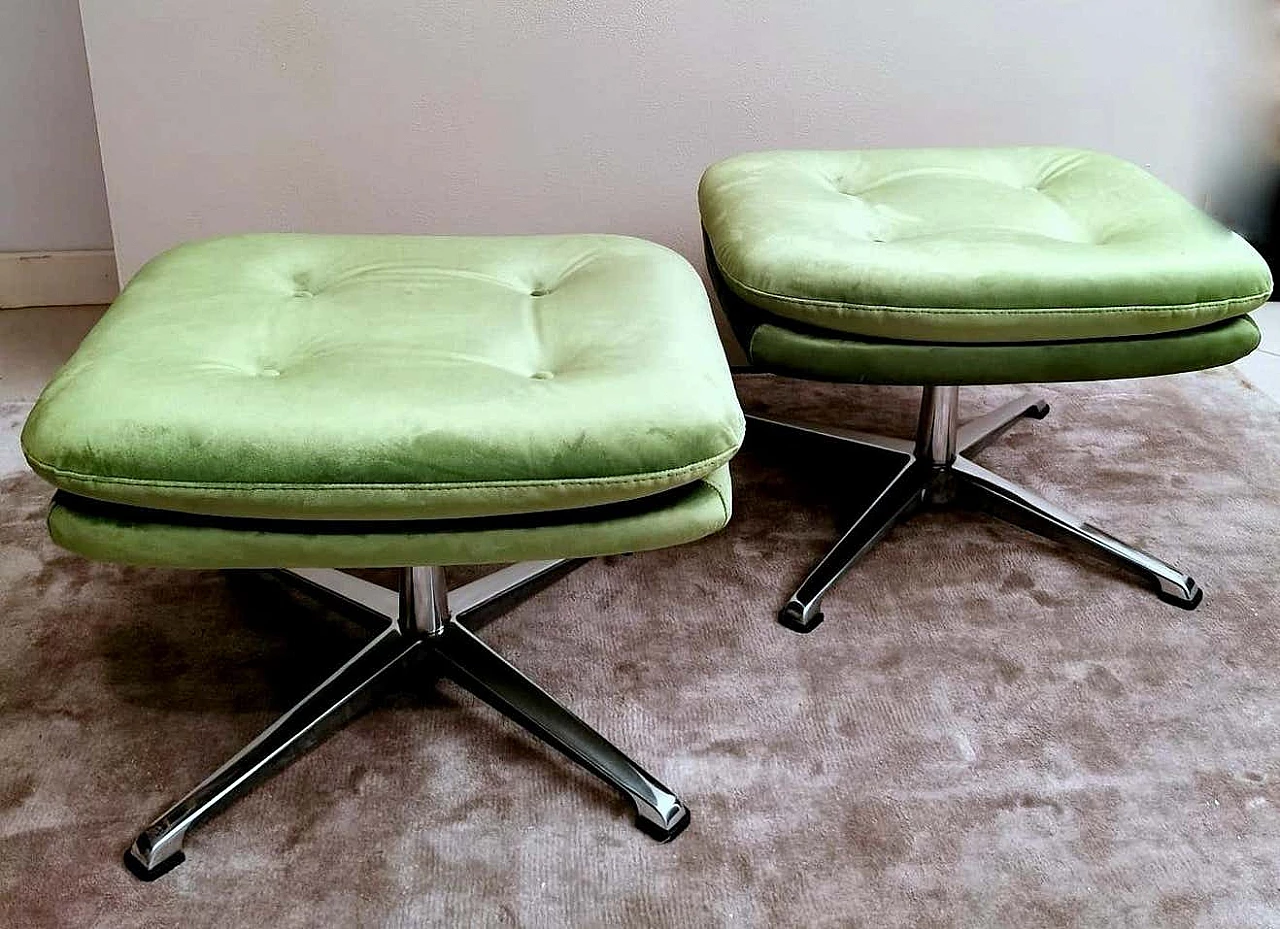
{"x": 985, "y": 732}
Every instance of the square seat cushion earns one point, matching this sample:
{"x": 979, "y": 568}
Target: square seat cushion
{"x": 972, "y": 245}
{"x": 393, "y": 377}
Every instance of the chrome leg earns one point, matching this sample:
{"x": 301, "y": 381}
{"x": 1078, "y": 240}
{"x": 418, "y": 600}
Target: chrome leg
{"x": 424, "y": 602}
{"x": 484, "y": 672}
{"x": 346, "y": 590}
{"x": 936, "y": 430}
{"x": 159, "y": 848}
{"x": 977, "y": 434}
{"x": 903, "y": 494}
{"x": 425, "y": 622}
{"x": 507, "y": 586}
{"x": 870, "y": 441}
{"x": 1015, "y": 504}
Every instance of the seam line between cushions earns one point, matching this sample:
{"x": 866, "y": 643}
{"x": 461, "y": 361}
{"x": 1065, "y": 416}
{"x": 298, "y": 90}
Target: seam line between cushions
{"x": 705, "y": 466}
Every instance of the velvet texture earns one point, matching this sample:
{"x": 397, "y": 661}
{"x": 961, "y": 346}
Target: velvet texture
{"x": 131, "y": 535}
{"x": 830, "y": 357}
{"x": 972, "y": 245}
{"x": 393, "y": 377}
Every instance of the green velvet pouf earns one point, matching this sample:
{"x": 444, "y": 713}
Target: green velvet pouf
{"x": 973, "y": 266}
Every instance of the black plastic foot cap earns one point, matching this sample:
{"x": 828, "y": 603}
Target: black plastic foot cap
{"x": 792, "y": 616}
{"x": 1182, "y": 602}
{"x": 1039, "y": 411}
{"x": 654, "y": 831}
{"x": 143, "y": 873}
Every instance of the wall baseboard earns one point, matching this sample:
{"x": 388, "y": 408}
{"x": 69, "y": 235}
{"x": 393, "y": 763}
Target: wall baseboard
{"x": 69, "y": 278}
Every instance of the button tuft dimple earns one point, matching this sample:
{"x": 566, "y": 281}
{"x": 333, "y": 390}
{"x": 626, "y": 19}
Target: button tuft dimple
{"x": 268, "y": 372}
{"x": 303, "y": 293}
{"x": 542, "y": 375}
{"x": 540, "y": 292}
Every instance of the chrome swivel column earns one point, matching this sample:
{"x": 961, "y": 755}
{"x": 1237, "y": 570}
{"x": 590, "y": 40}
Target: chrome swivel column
{"x": 423, "y": 620}
{"x": 936, "y": 470}
{"x": 936, "y": 431}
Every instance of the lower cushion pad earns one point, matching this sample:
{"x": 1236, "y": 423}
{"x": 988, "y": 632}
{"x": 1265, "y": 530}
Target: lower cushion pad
{"x": 131, "y": 535}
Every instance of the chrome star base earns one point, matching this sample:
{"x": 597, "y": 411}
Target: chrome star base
{"x": 936, "y": 469}
{"x": 422, "y": 620}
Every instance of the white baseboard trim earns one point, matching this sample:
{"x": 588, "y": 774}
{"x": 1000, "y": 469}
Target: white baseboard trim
{"x": 71, "y": 278}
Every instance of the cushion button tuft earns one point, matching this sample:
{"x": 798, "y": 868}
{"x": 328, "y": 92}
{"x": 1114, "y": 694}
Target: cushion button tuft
{"x": 542, "y": 375}
{"x": 303, "y": 293}
{"x": 540, "y": 292}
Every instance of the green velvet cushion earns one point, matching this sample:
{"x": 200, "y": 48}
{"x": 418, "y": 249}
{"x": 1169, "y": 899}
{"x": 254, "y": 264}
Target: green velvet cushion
{"x": 972, "y": 245}
{"x": 131, "y": 535}
{"x": 393, "y": 377}
{"x": 831, "y": 357}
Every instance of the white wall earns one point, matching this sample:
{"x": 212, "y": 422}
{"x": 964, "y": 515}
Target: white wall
{"x": 51, "y": 191}
{"x": 486, "y": 117}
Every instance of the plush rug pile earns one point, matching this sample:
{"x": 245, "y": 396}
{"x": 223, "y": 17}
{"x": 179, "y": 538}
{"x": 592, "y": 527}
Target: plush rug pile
{"x": 987, "y": 730}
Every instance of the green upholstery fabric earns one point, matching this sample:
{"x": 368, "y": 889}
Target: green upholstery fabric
{"x": 130, "y": 535}
{"x": 393, "y": 377}
{"x": 972, "y": 245}
{"x": 830, "y": 357}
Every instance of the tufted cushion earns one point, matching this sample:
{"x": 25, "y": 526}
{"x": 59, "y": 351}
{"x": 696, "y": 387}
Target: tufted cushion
{"x": 972, "y": 245}
{"x": 393, "y": 377}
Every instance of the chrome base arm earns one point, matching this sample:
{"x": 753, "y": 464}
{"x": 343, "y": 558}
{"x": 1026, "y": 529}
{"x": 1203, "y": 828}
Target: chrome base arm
{"x": 868, "y": 440}
{"x": 473, "y": 665}
{"x": 376, "y": 605}
{"x": 988, "y": 491}
{"x": 413, "y": 627}
{"x": 904, "y": 493}
{"x": 978, "y": 433}
{"x": 935, "y": 470}
{"x": 342, "y": 696}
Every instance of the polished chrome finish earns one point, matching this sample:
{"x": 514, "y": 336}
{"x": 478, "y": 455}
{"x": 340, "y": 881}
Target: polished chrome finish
{"x": 1017, "y": 505}
{"x": 900, "y": 497}
{"x": 936, "y": 433}
{"x": 342, "y": 695}
{"x": 424, "y": 601}
{"x": 977, "y": 434}
{"x": 936, "y": 471}
{"x": 882, "y": 443}
{"x": 346, "y": 589}
{"x": 484, "y": 672}
{"x": 513, "y": 580}
{"x": 426, "y": 623}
